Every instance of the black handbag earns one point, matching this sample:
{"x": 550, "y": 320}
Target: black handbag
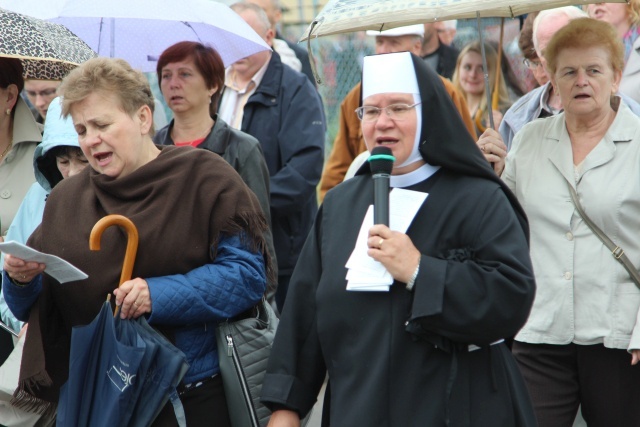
{"x": 244, "y": 347}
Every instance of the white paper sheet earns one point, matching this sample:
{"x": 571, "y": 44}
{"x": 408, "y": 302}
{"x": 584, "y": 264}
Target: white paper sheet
{"x": 364, "y": 273}
{"x": 57, "y": 268}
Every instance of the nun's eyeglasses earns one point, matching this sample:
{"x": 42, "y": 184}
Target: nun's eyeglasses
{"x": 395, "y": 112}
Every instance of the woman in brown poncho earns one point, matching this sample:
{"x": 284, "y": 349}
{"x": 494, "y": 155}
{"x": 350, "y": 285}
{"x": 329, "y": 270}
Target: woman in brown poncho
{"x": 201, "y": 257}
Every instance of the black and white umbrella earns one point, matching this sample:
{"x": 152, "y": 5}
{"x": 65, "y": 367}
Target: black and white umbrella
{"x": 48, "y": 51}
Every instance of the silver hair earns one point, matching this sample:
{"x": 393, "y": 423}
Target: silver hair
{"x": 260, "y": 13}
{"x": 570, "y": 12}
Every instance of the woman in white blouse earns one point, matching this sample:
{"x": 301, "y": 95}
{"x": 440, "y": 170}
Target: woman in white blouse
{"x": 581, "y": 343}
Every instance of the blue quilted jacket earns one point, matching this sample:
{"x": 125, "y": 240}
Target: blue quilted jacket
{"x": 233, "y": 283}
{"x": 194, "y": 302}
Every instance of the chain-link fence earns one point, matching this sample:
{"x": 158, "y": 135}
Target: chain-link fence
{"x": 339, "y": 59}
{"x": 339, "y": 65}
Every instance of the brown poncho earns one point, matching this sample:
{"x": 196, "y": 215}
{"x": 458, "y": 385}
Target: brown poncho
{"x": 180, "y": 202}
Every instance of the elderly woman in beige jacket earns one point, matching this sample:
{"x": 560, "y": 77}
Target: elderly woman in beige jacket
{"x": 19, "y": 135}
{"x": 581, "y": 343}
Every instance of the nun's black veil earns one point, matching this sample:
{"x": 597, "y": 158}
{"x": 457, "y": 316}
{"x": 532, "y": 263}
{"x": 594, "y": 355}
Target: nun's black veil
{"x": 444, "y": 139}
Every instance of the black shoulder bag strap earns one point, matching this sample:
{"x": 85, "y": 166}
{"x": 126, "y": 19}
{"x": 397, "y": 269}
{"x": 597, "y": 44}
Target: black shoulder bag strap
{"x": 616, "y": 251}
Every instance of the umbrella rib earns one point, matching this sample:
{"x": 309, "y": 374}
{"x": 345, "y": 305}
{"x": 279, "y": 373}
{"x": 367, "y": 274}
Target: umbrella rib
{"x": 312, "y": 60}
{"x": 191, "y": 28}
{"x": 100, "y": 34}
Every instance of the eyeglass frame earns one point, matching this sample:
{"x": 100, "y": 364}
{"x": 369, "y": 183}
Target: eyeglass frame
{"x": 531, "y": 64}
{"x": 360, "y": 111}
{"x": 46, "y": 93}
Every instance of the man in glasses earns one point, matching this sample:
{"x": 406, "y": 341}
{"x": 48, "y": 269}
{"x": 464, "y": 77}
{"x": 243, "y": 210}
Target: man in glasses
{"x": 40, "y": 93}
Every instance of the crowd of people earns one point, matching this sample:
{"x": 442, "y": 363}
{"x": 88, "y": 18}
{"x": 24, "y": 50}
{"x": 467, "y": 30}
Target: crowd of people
{"x": 498, "y": 300}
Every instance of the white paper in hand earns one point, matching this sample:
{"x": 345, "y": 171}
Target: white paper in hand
{"x": 364, "y": 273}
{"x": 57, "y": 268}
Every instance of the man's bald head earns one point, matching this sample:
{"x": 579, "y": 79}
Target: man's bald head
{"x": 549, "y": 21}
{"x": 257, "y": 19}
{"x": 272, "y": 8}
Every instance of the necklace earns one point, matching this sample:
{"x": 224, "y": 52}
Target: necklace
{"x": 6, "y": 150}
{"x": 203, "y": 135}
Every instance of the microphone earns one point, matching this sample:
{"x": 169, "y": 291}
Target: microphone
{"x": 381, "y": 163}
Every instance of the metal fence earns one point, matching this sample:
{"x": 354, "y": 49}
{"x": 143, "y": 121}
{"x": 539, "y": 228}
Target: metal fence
{"x": 339, "y": 65}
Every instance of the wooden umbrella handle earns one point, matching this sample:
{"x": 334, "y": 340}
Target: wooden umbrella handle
{"x": 132, "y": 241}
{"x": 495, "y": 101}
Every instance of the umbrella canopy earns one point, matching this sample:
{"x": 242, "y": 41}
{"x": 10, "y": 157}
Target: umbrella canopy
{"x": 138, "y": 31}
{"x": 48, "y": 51}
{"x": 121, "y": 372}
{"x": 341, "y": 16}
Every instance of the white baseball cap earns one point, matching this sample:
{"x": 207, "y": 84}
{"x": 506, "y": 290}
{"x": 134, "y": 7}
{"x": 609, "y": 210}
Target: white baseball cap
{"x": 409, "y": 30}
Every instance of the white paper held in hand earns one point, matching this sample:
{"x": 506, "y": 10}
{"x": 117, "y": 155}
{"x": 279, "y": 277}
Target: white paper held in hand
{"x": 57, "y": 268}
{"x": 364, "y": 273}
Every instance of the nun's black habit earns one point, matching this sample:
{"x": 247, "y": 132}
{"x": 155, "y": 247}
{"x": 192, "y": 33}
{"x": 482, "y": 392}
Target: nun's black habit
{"x": 402, "y": 358}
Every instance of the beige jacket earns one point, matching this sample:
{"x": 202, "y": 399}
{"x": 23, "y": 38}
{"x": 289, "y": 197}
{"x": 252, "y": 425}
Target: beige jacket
{"x": 583, "y": 294}
{"x": 16, "y": 168}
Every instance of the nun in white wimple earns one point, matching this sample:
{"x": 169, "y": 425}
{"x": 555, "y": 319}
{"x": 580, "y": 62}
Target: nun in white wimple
{"x": 430, "y": 350}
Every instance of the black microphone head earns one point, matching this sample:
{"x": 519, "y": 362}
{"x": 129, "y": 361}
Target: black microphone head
{"x": 381, "y": 161}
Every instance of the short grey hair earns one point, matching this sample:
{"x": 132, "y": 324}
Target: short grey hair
{"x": 570, "y": 12}
{"x": 263, "y": 19}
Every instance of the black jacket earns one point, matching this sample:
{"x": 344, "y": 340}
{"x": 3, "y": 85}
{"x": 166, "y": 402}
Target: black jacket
{"x": 303, "y": 56}
{"x": 285, "y": 114}
{"x": 244, "y": 154}
{"x": 447, "y": 57}
{"x": 402, "y": 358}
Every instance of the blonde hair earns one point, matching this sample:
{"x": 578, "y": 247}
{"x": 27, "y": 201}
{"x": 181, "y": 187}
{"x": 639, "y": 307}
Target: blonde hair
{"x": 633, "y": 8}
{"x": 492, "y": 59}
{"x": 633, "y": 11}
{"x": 107, "y": 75}
{"x": 584, "y": 33}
